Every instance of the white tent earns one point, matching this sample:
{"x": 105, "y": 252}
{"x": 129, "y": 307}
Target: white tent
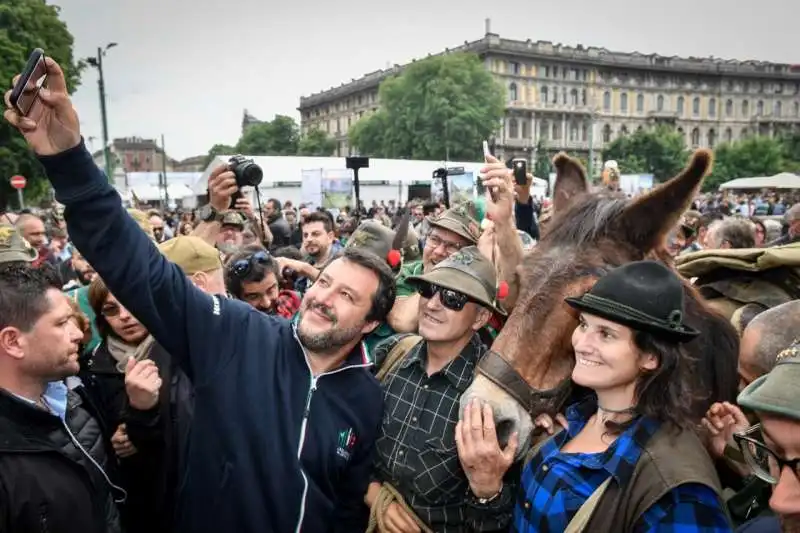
{"x": 149, "y": 193}
{"x": 784, "y": 180}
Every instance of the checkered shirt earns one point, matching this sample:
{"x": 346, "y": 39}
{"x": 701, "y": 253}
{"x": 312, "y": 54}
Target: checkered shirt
{"x": 416, "y": 448}
{"x": 554, "y": 485}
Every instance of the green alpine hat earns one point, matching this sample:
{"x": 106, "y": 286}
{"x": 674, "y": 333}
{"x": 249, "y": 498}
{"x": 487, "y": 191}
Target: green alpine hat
{"x": 373, "y": 236}
{"x": 14, "y": 247}
{"x": 777, "y": 393}
{"x": 468, "y": 272}
{"x": 460, "y": 221}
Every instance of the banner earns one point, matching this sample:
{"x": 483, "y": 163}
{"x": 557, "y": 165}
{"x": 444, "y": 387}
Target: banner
{"x": 337, "y": 188}
{"x": 460, "y": 186}
{"x": 311, "y": 188}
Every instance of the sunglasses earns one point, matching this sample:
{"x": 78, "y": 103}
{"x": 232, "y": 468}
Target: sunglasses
{"x": 243, "y": 266}
{"x": 453, "y": 300}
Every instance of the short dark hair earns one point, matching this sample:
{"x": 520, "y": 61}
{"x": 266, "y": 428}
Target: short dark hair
{"x": 383, "y": 300}
{"x": 275, "y": 203}
{"x": 322, "y": 217}
{"x": 257, "y": 272}
{"x": 23, "y": 295}
{"x": 289, "y": 252}
{"x": 739, "y": 232}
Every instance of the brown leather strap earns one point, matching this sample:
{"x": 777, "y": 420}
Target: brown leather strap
{"x": 501, "y": 373}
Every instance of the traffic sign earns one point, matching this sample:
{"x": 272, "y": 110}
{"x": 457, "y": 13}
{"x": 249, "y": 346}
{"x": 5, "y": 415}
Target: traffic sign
{"x": 18, "y": 182}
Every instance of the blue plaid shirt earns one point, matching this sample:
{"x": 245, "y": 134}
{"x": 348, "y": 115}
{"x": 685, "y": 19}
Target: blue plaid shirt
{"x": 554, "y": 485}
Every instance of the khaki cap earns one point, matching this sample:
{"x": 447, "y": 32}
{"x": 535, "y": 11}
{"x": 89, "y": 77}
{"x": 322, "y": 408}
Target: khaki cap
{"x": 459, "y": 221}
{"x": 233, "y": 218}
{"x": 191, "y": 254}
{"x": 14, "y": 247}
{"x": 468, "y": 272}
{"x": 373, "y": 236}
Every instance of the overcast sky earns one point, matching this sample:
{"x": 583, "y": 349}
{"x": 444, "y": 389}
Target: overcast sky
{"x": 187, "y": 68}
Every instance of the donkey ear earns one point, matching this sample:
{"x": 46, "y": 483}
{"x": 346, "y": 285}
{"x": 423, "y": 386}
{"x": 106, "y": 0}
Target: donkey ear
{"x": 646, "y": 221}
{"x": 570, "y": 181}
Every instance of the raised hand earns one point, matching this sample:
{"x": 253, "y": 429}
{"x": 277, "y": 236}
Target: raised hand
{"x": 722, "y": 420}
{"x": 52, "y": 125}
{"x": 221, "y": 186}
{"x": 142, "y": 383}
{"x": 497, "y": 179}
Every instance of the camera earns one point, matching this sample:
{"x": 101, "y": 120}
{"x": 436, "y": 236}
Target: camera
{"x": 247, "y": 173}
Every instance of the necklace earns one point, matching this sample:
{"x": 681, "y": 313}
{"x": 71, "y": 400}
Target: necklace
{"x": 626, "y": 411}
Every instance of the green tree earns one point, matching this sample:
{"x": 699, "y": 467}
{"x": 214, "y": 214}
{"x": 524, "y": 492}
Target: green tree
{"x": 218, "y": 150}
{"x": 791, "y": 151}
{"x": 280, "y": 136}
{"x": 316, "y": 143}
{"x": 660, "y": 152}
{"x": 542, "y": 166}
{"x": 440, "y": 107}
{"x": 25, "y": 25}
{"x": 752, "y": 157}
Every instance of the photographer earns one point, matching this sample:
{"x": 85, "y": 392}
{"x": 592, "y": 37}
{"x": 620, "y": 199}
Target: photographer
{"x": 286, "y": 413}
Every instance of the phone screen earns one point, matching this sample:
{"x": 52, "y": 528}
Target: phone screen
{"x": 33, "y": 84}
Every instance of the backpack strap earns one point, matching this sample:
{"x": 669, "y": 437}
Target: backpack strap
{"x": 538, "y": 446}
{"x": 581, "y": 519}
{"x": 396, "y": 355}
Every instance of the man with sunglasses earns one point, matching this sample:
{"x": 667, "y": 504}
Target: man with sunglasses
{"x": 772, "y": 448}
{"x": 416, "y": 448}
{"x": 285, "y": 414}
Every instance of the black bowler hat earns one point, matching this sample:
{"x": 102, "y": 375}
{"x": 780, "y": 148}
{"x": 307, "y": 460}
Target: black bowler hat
{"x": 644, "y": 295}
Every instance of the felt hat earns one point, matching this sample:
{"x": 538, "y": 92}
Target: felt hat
{"x": 469, "y": 272}
{"x": 776, "y": 393}
{"x": 460, "y": 221}
{"x": 191, "y": 254}
{"x": 643, "y": 295}
{"x": 396, "y": 247}
{"x": 14, "y": 247}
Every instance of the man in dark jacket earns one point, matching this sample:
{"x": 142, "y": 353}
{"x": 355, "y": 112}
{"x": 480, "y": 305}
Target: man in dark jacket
{"x": 52, "y": 453}
{"x": 286, "y": 413}
{"x": 278, "y": 225}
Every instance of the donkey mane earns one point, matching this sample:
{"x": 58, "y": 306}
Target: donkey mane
{"x": 590, "y": 218}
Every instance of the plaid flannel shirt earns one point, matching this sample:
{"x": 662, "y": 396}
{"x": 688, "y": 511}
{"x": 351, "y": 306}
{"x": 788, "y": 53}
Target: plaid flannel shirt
{"x": 554, "y": 485}
{"x": 416, "y": 448}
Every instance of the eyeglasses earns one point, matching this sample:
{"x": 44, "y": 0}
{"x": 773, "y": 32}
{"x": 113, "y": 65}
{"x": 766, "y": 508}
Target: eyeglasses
{"x": 453, "y": 300}
{"x": 242, "y": 267}
{"x": 434, "y": 241}
{"x": 110, "y": 311}
{"x": 765, "y": 463}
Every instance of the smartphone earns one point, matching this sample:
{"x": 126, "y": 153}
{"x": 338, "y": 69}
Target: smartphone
{"x": 486, "y": 152}
{"x": 31, "y": 81}
{"x": 520, "y": 168}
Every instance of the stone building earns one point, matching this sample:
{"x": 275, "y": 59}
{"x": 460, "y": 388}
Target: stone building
{"x": 580, "y": 98}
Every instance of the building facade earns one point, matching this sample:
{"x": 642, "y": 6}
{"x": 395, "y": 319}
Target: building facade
{"x": 580, "y": 98}
{"x": 135, "y": 154}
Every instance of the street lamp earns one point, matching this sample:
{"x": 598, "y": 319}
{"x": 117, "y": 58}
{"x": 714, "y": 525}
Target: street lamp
{"x": 97, "y": 62}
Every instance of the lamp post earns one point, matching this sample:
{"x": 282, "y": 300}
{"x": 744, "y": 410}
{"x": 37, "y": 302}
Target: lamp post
{"x": 97, "y": 62}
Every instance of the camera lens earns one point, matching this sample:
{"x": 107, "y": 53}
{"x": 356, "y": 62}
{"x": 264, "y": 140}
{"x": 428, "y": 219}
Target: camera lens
{"x": 251, "y": 174}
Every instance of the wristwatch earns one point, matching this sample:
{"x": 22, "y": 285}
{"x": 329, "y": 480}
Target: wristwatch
{"x": 207, "y": 213}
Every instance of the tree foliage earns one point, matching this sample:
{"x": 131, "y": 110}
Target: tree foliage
{"x": 755, "y": 156}
{"x": 316, "y": 143}
{"x": 218, "y": 150}
{"x": 25, "y": 25}
{"x": 660, "y": 152}
{"x": 437, "y": 108}
{"x": 542, "y": 167}
{"x": 279, "y": 136}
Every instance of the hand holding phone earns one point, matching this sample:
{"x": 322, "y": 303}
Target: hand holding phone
{"x": 30, "y": 82}
{"x": 519, "y": 167}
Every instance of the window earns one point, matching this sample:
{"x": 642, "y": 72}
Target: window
{"x": 512, "y": 92}
{"x": 682, "y": 134}
{"x": 583, "y": 96}
{"x": 712, "y": 138}
{"x": 712, "y": 107}
{"x": 544, "y": 129}
{"x": 746, "y": 109}
{"x": 584, "y": 133}
{"x": 526, "y": 129}
{"x": 513, "y": 128}
{"x": 777, "y": 108}
{"x": 556, "y": 131}
{"x": 696, "y": 106}
{"x": 680, "y": 105}
{"x": 640, "y": 103}
{"x": 623, "y": 130}
{"x": 543, "y": 95}
{"x": 513, "y": 67}
{"x": 555, "y": 95}
{"x": 573, "y": 131}
{"x": 728, "y": 135}
{"x": 607, "y": 101}
{"x": 729, "y": 108}
{"x": 745, "y": 133}
{"x": 760, "y": 108}
{"x": 660, "y": 103}
{"x": 564, "y": 95}
{"x": 797, "y": 109}
{"x": 573, "y": 97}
{"x": 695, "y": 137}
{"x": 623, "y": 102}
{"x": 606, "y": 133}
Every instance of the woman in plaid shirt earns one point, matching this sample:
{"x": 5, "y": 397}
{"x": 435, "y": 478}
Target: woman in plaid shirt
{"x": 628, "y": 459}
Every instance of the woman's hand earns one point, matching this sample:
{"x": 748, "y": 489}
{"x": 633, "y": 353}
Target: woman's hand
{"x": 722, "y": 420}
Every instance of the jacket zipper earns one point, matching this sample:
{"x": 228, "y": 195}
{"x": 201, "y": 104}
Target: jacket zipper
{"x": 304, "y": 425}
{"x": 122, "y": 492}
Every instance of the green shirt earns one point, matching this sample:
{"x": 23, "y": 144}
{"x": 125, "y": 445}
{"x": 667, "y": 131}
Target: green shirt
{"x": 378, "y": 335}
{"x": 404, "y": 288}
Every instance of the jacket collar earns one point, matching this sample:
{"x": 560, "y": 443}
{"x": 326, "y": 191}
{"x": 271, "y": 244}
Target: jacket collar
{"x": 23, "y": 426}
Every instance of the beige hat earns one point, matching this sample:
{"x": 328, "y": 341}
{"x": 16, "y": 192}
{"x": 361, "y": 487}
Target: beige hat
{"x": 459, "y": 220}
{"x": 191, "y": 254}
{"x": 14, "y": 247}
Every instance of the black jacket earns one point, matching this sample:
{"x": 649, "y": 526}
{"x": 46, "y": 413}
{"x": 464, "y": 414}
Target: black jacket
{"x": 281, "y": 232}
{"x": 47, "y": 483}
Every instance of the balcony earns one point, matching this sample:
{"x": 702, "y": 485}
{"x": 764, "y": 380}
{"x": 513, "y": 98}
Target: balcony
{"x": 516, "y": 143}
{"x": 550, "y": 107}
{"x": 768, "y": 118}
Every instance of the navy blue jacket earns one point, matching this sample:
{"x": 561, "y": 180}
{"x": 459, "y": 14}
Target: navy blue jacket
{"x": 258, "y": 408}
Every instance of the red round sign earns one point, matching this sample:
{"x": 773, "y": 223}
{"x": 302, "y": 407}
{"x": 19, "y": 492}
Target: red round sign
{"x": 18, "y": 182}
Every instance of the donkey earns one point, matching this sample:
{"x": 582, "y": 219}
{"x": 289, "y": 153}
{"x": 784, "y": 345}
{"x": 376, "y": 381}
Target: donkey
{"x": 527, "y": 370}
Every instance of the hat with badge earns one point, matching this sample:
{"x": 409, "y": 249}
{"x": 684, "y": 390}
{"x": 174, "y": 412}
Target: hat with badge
{"x": 14, "y": 247}
{"x": 460, "y": 221}
{"x": 469, "y": 272}
{"x": 396, "y": 247}
{"x": 643, "y": 295}
{"x": 234, "y": 218}
{"x": 776, "y": 393}
{"x": 191, "y": 254}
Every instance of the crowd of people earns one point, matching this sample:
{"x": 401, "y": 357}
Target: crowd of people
{"x": 272, "y": 368}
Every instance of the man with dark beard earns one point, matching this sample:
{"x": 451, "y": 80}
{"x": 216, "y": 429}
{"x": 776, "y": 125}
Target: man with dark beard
{"x": 286, "y": 414}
